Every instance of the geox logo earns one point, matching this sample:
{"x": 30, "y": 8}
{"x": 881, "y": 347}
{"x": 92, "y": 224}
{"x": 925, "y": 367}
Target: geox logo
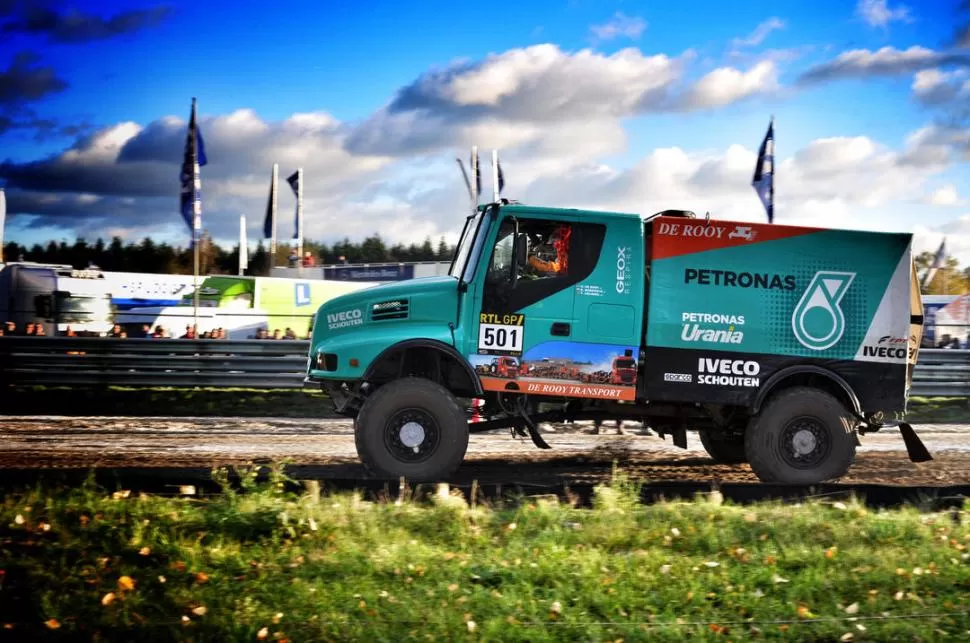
{"x": 622, "y": 274}
{"x": 345, "y": 318}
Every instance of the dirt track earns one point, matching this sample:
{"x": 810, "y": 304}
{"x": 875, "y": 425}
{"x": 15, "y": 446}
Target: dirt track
{"x": 327, "y": 446}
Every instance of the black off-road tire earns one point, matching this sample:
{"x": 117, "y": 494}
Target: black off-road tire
{"x": 380, "y": 434}
{"x": 724, "y": 448}
{"x": 810, "y": 419}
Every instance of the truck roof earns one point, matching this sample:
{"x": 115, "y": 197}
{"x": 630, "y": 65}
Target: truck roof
{"x": 524, "y": 208}
{"x": 673, "y": 213}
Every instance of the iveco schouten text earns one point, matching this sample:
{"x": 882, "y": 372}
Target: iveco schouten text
{"x": 778, "y": 344}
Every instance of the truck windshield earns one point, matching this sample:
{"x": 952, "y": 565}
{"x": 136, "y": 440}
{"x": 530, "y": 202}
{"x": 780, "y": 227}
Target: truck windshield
{"x": 625, "y": 362}
{"x": 469, "y": 237}
{"x": 74, "y": 309}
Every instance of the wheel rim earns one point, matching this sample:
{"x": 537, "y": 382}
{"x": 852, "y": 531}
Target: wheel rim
{"x": 804, "y": 443}
{"x": 411, "y": 435}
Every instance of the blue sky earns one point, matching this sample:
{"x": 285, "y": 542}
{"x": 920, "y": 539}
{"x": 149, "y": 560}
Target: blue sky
{"x": 625, "y": 105}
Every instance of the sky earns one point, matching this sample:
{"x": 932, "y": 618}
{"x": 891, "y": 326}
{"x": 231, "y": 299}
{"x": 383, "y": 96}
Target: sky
{"x": 605, "y": 104}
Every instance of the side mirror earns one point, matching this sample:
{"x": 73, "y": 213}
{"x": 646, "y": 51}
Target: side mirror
{"x": 518, "y": 253}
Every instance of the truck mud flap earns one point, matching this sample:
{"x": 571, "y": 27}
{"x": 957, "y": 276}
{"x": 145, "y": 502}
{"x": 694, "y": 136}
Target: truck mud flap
{"x": 533, "y": 430}
{"x": 914, "y": 446}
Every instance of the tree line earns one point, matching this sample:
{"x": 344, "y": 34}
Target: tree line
{"x": 151, "y": 257}
{"x": 148, "y": 256}
{"x": 950, "y": 279}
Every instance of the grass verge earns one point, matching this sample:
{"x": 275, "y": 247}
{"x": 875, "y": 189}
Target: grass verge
{"x": 930, "y": 410}
{"x": 266, "y": 564}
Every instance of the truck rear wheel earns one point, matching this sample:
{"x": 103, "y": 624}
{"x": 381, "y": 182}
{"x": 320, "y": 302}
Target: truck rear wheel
{"x": 724, "y": 448}
{"x": 411, "y": 427}
{"x": 802, "y": 436}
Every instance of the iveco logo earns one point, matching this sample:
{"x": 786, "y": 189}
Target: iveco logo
{"x": 345, "y": 318}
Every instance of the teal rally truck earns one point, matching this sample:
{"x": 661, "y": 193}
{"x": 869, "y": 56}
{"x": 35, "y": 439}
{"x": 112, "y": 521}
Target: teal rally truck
{"x": 780, "y": 345}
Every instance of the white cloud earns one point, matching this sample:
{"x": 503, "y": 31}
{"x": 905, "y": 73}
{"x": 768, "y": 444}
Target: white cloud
{"x": 728, "y": 85}
{"x": 887, "y": 61}
{"x": 957, "y": 234}
{"x": 935, "y": 145}
{"x": 86, "y": 186}
{"x": 946, "y": 196}
{"x": 619, "y": 25}
{"x": 760, "y": 32}
{"x": 937, "y": 87}
{"x": 840, "y": 182}
{"x": 521, "y": 94}
{"x": 556, "y": 116}
{"x": 877, "y": 13}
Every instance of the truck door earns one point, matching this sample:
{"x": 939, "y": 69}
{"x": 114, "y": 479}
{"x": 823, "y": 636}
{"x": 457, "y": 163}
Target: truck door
{"x": 552, "y": 264}
{"x": 609, "y": 311}
{"x": 523, "y": 302}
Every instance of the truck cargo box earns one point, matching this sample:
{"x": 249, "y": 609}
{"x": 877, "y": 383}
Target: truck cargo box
{"x": 732, "y": 305}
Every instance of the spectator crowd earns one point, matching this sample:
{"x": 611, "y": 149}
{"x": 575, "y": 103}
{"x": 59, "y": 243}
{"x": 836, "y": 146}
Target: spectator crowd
{"x": 146, "y": 332}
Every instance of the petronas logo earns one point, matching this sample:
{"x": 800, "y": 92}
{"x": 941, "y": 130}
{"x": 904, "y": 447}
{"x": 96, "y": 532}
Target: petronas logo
{"x": 818, "y": 322}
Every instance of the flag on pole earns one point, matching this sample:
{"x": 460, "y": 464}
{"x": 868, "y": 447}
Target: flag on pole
{"x": 194, "y": 158}
{"x": 764, "y": 172}
{"x": 476, "y": 168}
{"x": 940, "y": 255}
{"x": 294, "y": 181}
{"x": 938, "y": 261}
{"x": 270, "y": 203}
{"x": 501, "y": 178}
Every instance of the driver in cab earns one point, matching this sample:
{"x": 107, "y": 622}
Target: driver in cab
{"x": 548, "y": 254}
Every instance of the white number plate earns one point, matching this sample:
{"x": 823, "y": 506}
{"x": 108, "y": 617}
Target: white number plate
{"x": 494, "y": 338}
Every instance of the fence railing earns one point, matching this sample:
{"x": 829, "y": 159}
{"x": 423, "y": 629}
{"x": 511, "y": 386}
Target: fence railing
{"x": 224, "y": 363}
{"x": 153, "y": 362}
{"x": 942, "y": 373}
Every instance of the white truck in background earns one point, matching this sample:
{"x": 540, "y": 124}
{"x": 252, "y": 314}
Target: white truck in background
{"x": 56, "y": 297}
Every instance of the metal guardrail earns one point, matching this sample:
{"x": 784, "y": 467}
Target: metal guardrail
{"x": 941, "y": 373}
{"x": 221, "y": 363}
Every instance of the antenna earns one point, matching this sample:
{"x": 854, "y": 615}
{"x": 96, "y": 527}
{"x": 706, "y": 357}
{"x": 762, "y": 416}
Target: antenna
{"x": 495, "y": 194}
{"x": 476, "y": 176}
{"x": 468, "y": 184}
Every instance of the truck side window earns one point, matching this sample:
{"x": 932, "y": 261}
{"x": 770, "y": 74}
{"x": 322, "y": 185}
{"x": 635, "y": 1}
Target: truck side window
{"x": 559, "y": 254}
{"x": 498, "y": 268}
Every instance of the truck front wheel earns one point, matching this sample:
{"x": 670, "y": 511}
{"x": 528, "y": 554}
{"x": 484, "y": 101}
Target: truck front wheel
{"x": 802, "y": 436}
{"x": 411, "y": 427}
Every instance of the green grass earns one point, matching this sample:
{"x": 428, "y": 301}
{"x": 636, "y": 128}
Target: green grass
{"x": 163, "y": 401}
{"x": 235, "y": 565}
{"x": 939, "y": 410}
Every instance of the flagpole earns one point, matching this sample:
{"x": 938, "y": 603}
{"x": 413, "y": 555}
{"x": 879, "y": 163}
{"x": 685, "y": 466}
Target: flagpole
{"x": 243, "y": 249}
{"x": 3, "y": 219}
{"x": 774, "y": 155}
{"x": 274, "y": 189}
{"x": 299, "y": 218}
{"x": 197, "y": 218}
